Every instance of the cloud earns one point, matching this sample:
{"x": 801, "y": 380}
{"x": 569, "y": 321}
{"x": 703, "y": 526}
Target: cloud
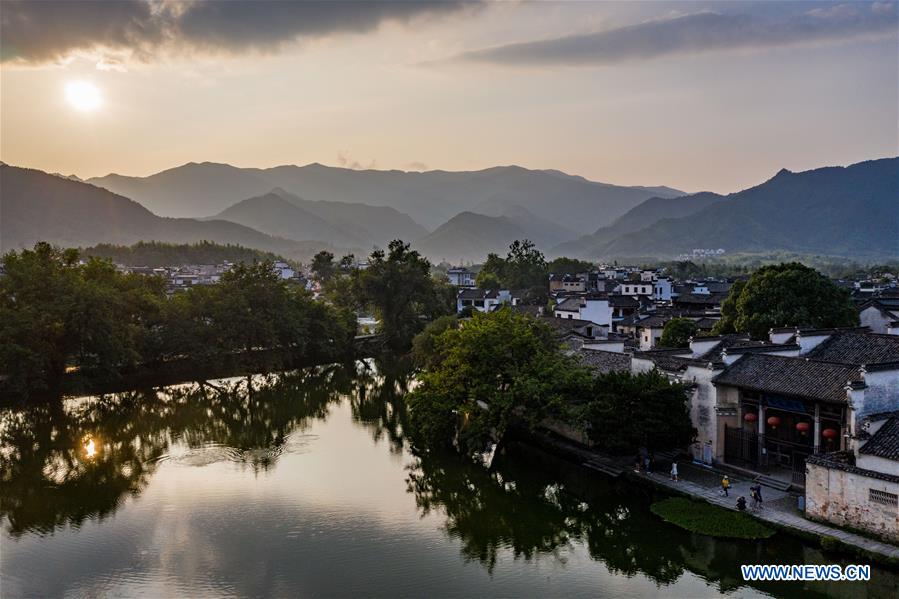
{"x": 344, "y": 160}
{"x": 695, "y": 33}
{"x": 52, "y": 30}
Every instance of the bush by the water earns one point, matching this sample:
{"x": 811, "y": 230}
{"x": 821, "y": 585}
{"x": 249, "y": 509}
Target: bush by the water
{"x": 707, "y": 519}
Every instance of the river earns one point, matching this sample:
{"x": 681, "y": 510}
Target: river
{"x": 302, "y": 484}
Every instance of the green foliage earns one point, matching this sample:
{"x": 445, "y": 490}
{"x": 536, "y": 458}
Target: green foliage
{"x": 524, "y": 267}
{"x": 677, "y": 332}
{"x": 57, "y": 313}
{"x": 424, "y": 345}
{"x": 789, "y": 294}
{"x": 323, "y": 265}
{"x": 398, "y": 288}
{"x": 497, "y": 366}
{"x": 54, "y": 311}
{"x": 157, "y": 254}
{"x": 707, "y": 519}
{"x": 569, "y": 266}
{"x": 627, "y": 411}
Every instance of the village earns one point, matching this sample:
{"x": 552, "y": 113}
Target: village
{"x": 810, "y": 414}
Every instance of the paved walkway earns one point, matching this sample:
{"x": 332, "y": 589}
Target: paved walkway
{"x": 779, "y": 507}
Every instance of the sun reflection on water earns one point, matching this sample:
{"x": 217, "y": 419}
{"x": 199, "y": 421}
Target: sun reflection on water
{"x": 90, "y": 448}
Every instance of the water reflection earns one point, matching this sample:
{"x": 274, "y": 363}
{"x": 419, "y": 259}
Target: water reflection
{"x": 67, "y": 462}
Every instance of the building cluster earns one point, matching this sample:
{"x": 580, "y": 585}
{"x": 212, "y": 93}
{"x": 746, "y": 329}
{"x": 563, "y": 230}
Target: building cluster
{"x": 815, "y": 411}
{"x": 182, "y": 278}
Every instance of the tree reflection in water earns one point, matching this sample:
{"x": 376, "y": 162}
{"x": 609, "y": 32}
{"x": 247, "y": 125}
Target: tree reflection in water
{"x": 50, "y": 480}
{"x": 529, "y": 504}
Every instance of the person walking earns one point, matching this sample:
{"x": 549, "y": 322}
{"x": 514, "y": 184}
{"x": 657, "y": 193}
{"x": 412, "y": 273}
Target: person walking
{"x": 674, "y": 471}
{"x": 758, "y": 495}
{"x": 754, "y": 496}
{"x": 725, "y": 485}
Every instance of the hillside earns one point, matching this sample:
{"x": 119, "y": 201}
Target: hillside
{"x": 545, "y": 233}
{"x": 36, "y": 206}
{"x": 635, "y": 219}
{"x": 273, "y": 214}
{"x": 839, "y": 211}
{"x": 469, "y": 237}
{"x": 429, "y": 198}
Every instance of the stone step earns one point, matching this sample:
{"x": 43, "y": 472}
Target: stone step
{"x": 774, "y": 483}
{"x": 609, "y": 469}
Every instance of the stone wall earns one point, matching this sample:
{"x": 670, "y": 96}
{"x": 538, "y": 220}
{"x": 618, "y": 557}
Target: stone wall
{"x": 842, "y": 496}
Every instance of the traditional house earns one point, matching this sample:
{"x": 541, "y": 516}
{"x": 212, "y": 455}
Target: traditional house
{"x": 879, "y": 313}
{"x": 859, "y": 487}
{"x": 484, "y": 300}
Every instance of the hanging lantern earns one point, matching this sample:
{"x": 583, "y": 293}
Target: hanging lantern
{"x": 829, "y": 433}
{"x": 774, "y": 421}
{"x": 803, "y": 427}
{"x": 750, "y": 417}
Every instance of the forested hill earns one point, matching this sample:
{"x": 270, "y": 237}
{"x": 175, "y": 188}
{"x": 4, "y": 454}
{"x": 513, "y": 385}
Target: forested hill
{"x": 839, "y": 211}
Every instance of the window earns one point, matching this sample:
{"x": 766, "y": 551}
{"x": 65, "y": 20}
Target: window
{"x": 883, "y": 498}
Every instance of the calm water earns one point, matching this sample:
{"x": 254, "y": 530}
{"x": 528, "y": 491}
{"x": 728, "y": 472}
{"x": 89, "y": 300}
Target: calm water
{"x": 302, "y": 485}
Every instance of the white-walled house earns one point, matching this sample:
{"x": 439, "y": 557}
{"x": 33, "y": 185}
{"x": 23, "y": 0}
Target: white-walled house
{"x": 878, "y": 313}
{"x": 461, "y": 276}
{"x": 484, "y": 300}
{"x": 663, "y": 289}
{"x": 596, "y": 309}
{"x": 859, "y": 487}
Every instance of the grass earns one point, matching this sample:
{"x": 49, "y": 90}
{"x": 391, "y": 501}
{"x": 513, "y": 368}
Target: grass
{"x": 707, "y": 519}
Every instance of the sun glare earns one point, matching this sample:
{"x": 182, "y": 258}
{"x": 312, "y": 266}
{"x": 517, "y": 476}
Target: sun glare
{"x": 83, "y": 96}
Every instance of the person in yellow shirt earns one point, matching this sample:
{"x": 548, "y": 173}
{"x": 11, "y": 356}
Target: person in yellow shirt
{"x": 725, "y": 485}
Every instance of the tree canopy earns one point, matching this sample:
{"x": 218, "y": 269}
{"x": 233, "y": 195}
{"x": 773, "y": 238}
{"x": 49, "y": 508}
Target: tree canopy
{"x": 397, "y": 286}
{"x": 781, "y": 295}
{"x": 524, "y": 267}
{"x": 58, "y": 312}
{"x": 677, "y": 332}
{"x": 569, "y": 266}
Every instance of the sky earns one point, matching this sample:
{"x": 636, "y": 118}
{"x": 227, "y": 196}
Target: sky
{"x": 695, "y": 95}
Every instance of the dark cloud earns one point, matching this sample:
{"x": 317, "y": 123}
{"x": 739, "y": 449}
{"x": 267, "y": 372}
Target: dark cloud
{"x": 39, "y": 31}
{"x": 700, "y": 32}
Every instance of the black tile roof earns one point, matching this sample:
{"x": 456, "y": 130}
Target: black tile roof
{"x": 841, "y": 461}
{"x": 857, "y": 348}
{"x": 885, "y": 442}
{"x": 604, "y": 361}
{"x": 790, "y": 376}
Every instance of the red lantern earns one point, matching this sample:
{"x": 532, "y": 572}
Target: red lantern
{"x": 750, "y": 417}
{"x": 829, "y": 433}
{"x": 803, "y": 427}
{"x": 774, "y": 421}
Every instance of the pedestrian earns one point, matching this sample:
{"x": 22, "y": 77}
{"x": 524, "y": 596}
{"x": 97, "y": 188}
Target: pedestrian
{"x": 674, "y": 471}
{"x": 758, "y": 495}
{"x": 741, "y": 504}
{"x": 647, "y": 464}
{"x": 754, "y": 496}
{"x": 725, "y": 485}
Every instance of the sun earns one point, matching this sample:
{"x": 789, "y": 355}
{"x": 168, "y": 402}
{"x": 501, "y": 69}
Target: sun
{"x": 84, "y": 96}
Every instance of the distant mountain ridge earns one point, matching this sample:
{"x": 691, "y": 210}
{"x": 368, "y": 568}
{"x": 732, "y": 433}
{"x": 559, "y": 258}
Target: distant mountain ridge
{"x": 429, "y": 198}
{"x": 469, "y": 237}
{"x": 37, "y": 206}
{"x": 350, "y": 225}
{"x": 635, "y": 219}
{"x": 848, "y": 211}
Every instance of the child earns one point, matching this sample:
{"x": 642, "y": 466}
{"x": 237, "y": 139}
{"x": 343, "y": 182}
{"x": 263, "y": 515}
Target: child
{"x": 725, "y": 485}
{"x": 741, "y": 504}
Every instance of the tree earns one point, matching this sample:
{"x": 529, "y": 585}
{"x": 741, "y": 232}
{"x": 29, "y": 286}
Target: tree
{"x": 677, "y": 332}
{"x": 323, "y": 265}
{"x": 787, "y": 294}
{"x": 569, "y": 266}
{"x": 628, "y": 411}
{"x": 498, "y": 366}
{"x": 491, "y": 274}
{"x": 524, "y": 267}
{"x": 398, "y": 287}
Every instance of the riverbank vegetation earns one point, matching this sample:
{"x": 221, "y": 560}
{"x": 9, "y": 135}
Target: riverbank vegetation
{"x": 505, "y": 368}
{"x": 707, "y": 519}
{"x": 59, "y": 313}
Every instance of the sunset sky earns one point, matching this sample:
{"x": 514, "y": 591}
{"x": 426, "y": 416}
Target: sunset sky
{"x": 695, "y": 95}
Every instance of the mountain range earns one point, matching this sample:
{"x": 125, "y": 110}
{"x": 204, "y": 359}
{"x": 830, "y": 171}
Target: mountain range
{"x": 840, "y": 211}
{"x": 36, "y": 206}
{"x": 429, "y": 198}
